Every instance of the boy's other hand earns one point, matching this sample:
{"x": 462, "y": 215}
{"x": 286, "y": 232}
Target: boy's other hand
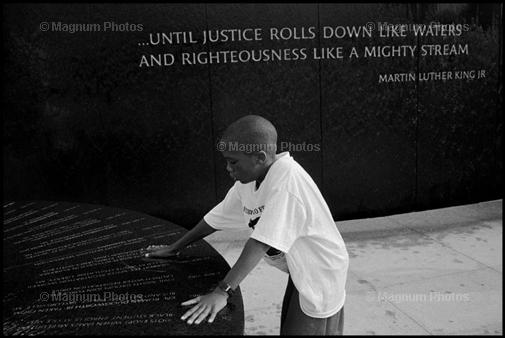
{"x": 161, "y": 251}
{"x": 206, "y": 305}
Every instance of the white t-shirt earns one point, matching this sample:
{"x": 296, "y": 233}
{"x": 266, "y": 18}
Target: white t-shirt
{"x": 288, "y": 213}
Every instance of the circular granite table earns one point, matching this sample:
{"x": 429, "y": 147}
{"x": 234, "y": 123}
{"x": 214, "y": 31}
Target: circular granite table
{"x": 79, "y": 269}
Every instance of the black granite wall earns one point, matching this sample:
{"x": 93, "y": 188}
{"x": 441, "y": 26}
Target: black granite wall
{"x": 83, "y": 122}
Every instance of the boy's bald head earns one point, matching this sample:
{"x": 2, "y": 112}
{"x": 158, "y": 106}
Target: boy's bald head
{"x": 253, "y": 132}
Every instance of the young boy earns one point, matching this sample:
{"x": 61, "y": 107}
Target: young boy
{"x": 293, "y": 230}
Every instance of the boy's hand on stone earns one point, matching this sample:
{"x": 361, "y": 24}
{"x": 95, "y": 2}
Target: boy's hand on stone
{"x": 161, "y": 251}
{"x": 206, "y": 305}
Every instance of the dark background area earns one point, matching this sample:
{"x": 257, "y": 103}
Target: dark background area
{"x": 83, "y": 123}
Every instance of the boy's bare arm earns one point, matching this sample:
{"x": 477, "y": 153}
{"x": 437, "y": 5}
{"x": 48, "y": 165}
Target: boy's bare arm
{"x": 212, "y": 303}
{"x": 252, "y": 253}
{"x": 199, "y": 231}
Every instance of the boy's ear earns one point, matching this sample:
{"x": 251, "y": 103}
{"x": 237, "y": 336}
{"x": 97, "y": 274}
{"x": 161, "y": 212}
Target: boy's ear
{"x": 261, "y": 156}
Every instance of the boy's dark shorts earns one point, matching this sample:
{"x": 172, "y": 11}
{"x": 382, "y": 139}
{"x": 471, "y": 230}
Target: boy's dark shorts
{"x": 295, "y": 322}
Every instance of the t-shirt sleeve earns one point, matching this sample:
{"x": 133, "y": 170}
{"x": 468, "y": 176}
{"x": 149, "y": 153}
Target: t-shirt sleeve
{"x": 227, "y": 215}
{"x": 281, "y": 222}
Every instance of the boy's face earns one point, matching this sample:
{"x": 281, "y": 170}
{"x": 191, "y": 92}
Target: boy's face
{"x": 244, "y": 167}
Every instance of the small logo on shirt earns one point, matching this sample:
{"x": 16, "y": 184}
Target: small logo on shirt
{"x": 254, "y": 211}
{"x": 272, "y": 251}
{"x": 253, "y": 222}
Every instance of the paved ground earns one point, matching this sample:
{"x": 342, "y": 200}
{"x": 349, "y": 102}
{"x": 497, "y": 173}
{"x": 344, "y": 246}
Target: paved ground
{"x": 421, "y": 273}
